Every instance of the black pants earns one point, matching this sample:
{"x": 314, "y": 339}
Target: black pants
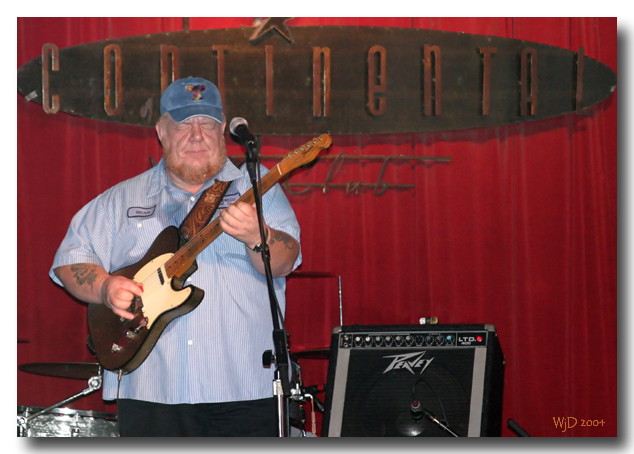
{"x": 255, "y": 418}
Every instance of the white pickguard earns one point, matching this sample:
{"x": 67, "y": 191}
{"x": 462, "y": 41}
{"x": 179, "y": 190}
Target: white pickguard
{"x": 158, "y": 298}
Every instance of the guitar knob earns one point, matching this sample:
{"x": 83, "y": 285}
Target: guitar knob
{"x": 142, "y": 324}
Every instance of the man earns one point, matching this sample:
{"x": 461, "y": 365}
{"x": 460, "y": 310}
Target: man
{"x": 204, "y": 376}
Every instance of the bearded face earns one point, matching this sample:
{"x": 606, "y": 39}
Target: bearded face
{"x": 194, "y": 150}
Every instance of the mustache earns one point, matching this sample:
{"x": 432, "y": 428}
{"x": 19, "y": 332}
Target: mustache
{"x": 195, "y": 174}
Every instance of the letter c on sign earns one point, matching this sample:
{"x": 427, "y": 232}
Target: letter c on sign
{"x": 53, "y": 107}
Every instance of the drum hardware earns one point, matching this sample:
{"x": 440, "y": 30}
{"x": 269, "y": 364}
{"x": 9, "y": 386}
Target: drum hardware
{"x": 67, "y": 422}
{"x": 80, "y": 371}
{"x": 76, "y": 370}
{"x": 302, "y": 273}
{"x": 300, "y": 396}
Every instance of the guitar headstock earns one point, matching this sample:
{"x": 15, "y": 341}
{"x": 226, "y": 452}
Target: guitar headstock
{"x": 304, "y": 154}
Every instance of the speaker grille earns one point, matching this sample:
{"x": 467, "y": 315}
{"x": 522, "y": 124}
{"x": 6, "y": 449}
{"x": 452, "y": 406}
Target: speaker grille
{"x": 376, "y": 372}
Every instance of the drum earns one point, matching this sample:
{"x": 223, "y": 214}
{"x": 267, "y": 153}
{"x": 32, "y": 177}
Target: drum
{"x": 66, "y": 422}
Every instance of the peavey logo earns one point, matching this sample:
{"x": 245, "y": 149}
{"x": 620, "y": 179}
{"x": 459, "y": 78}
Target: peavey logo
{"x": 409, "y": 361}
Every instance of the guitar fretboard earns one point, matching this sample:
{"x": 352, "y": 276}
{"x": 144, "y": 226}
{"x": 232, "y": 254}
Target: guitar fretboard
{"x": 184, "y": 258}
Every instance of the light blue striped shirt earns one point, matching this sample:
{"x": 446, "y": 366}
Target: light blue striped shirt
{"x": 214, "y": 353}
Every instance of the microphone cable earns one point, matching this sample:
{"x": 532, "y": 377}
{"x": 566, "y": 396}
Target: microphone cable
{"x": 442, "y": 408}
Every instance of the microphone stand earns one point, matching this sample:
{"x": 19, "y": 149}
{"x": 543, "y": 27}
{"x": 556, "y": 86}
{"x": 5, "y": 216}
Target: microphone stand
{"x": 429, "y": 415}
{"x": 281, "y": 385}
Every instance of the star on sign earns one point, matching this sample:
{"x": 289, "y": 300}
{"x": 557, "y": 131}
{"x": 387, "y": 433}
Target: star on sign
{"x": 270, "y": 25}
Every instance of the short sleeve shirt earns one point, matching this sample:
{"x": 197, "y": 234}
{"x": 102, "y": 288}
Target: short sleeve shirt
{"x": 214, "y": 353}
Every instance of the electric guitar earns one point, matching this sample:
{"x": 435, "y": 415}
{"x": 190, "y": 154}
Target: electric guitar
{"x": 121, "y": 344}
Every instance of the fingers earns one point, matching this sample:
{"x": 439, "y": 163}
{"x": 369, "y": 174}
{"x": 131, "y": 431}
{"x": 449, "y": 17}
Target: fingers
{"x": 123, "y": 313}
{"x": 241, "y": 222}
{"x": 239, "y": 214}
{"x": 118, "y": 294}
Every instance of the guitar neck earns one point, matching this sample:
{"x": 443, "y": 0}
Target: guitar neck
{"x": 184, "y": 258}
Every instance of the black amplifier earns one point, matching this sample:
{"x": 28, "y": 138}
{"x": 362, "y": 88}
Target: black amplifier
{"x": 414, "y": 380}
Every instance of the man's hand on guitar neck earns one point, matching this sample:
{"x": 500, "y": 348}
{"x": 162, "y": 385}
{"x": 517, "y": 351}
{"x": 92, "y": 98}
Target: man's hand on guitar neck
{"x": 92, "y": 284}
{"x": 241, "y": 222}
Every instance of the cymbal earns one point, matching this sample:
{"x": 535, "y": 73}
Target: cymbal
{"x": 319, "y": 353}
{"x": 80, "y": 371}
{"x": 301, "y": 273}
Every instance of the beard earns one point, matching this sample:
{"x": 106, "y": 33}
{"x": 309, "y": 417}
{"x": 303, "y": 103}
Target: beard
{"x": 195, "y": 174}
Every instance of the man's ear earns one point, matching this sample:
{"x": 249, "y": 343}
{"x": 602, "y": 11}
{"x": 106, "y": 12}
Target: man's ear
{"x": 159, "y": 131}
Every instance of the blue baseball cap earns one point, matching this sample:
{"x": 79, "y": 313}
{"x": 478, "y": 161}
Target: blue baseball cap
{"x": 191, "y": 97}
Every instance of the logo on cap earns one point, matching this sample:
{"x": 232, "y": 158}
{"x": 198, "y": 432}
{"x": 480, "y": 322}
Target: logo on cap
{"x": 190, "y": 97}
{"x": 196, "y": 90}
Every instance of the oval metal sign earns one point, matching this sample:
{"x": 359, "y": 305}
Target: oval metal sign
{"x": 307, "y": 80}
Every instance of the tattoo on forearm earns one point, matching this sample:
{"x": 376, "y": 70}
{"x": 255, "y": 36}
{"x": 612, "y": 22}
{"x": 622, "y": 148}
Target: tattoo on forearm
{"x": 84, "y": 273}
{"x": 282, "y": 237}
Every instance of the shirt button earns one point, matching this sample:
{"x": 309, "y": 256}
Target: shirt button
{"x": 139, "y": 225}
{"x": 192, "y": 198}
{"x": 190, "y": 342}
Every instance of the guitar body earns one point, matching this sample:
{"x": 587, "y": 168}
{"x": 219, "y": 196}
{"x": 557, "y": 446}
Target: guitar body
{"x": 122, "y": 344}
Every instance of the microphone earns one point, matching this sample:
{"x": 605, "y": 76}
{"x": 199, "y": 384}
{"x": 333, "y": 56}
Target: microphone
{"x": 416, "y": 410}
{"x": 410, "y": 423}
{"x": 240, "y": 128}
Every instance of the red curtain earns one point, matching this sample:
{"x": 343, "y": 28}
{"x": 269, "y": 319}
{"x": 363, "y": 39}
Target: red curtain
{"x": 518, "y": 230}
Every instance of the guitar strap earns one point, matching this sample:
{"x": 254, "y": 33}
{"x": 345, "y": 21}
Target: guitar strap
{"x": 201, "y": 214}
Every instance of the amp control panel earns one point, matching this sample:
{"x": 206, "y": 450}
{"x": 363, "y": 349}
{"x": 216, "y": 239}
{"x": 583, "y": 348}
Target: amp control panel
{"x": 416, "y": 339}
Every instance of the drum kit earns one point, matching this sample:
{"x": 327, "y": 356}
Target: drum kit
{"x": 59, "y": 421}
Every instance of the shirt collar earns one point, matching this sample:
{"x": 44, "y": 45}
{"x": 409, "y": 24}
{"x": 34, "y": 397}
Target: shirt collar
{"x": 159, "y": 178}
